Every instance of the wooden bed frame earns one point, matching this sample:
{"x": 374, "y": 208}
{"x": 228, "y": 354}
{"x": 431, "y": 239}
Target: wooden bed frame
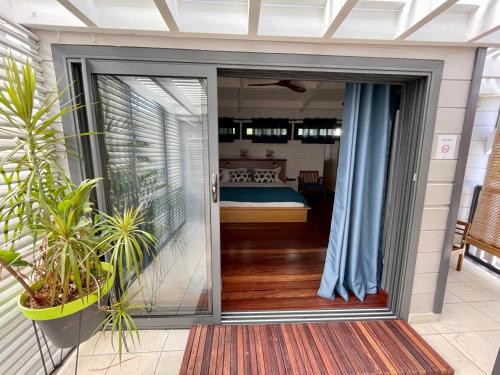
{"x": 261, "y": 214}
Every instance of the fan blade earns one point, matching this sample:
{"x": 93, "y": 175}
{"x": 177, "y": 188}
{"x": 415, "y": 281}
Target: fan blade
{"x": 263, "y": 84}
{"x": 292, "y": 86}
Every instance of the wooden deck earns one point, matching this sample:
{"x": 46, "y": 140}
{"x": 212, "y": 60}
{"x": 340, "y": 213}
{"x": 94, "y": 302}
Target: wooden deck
{"x": 360, "y": 347}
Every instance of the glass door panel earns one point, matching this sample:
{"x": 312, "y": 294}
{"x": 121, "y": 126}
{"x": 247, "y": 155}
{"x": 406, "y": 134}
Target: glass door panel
{"x": 154, "y": 153}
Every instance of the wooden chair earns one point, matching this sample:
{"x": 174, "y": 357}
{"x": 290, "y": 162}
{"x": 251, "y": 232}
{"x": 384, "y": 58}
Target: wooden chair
{"x": 458, "y": 247}
{"x": 310, "y": 182}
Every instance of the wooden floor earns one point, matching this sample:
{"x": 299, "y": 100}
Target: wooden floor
{"x": 369, "y": 347}
{"x": 278, "y": 266}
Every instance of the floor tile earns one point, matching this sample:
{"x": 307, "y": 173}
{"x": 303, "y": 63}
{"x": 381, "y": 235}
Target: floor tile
{"x": 100, "y": 343}
{"x": 135, "y": 363}
{"x": 476, "y": 348}
{"x": 424, "y": 328}
{"x": 464, "y": 275}
{"x": 170, "y": 363}
{"x": 490, "y": 308}
{"x": 87, "y": 347}
{"x": 176, "y": 340}
{"x": 463, "y": 317}
{"x": 466, "y": 293}
{"x": 461, "y": 364}
{"x": 150, "y": 341}
{"x": 95, "y": 364}
{"x": 488, "y": 288}
{"x": 451, "y": 297}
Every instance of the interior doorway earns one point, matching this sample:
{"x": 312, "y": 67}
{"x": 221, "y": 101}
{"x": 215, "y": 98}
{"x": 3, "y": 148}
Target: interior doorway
{"x": 274, "y": 261}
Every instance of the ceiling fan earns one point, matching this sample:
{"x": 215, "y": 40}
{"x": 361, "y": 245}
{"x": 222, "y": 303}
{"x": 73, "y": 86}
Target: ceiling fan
{"x": 283, "y": 83}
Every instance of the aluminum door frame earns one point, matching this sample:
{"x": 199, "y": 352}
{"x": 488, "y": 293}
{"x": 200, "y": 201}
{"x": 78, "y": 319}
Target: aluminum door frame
{"x": 94, "y": 66}
{"x": 358, "y": 69}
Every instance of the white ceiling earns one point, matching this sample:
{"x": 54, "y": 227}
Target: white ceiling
{"x": 235, "y": 95}
{"x": 450, "y": 22}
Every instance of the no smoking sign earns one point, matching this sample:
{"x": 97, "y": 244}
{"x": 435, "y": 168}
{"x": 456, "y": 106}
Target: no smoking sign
{"x": 445, "y": 148}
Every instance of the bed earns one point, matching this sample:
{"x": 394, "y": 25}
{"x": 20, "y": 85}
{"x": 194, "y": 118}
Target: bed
{"x": 251, "y": 202}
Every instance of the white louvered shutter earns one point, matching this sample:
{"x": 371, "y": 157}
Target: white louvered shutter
{"x": 116, "y": 112}
{"x": 151, "y": 164}
{"x": 174, "y": 170}
{"x": 18, "y": 348}
{"x": 142, "y": 157}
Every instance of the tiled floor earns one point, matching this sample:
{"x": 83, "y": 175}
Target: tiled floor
{"x": 159, "y": 352}
{"x": 467, "y": 335}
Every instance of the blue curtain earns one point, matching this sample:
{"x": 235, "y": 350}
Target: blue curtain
{"x": 353, "y": 259}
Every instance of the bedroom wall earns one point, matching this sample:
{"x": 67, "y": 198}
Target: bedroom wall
{"x": 299, "y": 156}
{"x": 450, "y": 115}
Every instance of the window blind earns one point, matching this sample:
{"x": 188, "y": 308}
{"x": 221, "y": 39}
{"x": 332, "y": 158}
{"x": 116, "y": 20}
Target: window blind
{"x": 151, "y": 162}
{"x": 174, "y": 170}
{"x": 18, "y": 348}
{"x": 142, "y": 156}
{"x": 119, "y": 137}
{"x": 484, "y": 232}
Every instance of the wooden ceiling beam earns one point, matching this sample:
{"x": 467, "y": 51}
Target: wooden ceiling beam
{"x": 417, "y": 14}
{"x": 335, "y": 14}
{"x": 81, "y": 9}
{"x": 168, "y": 10}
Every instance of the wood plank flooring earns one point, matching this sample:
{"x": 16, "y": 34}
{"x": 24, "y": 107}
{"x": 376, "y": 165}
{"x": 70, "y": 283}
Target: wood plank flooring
{"x": 278, "y": 266}
{"x": 280, "y": 279}
{"x": 358, "y": 347}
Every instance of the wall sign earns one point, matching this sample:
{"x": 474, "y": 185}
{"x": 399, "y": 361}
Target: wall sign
{"x": 445, "y": 147}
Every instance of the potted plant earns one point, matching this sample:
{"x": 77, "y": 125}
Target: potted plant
{"x": 67, "y": 287}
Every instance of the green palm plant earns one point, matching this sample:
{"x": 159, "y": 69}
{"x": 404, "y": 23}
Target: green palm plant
{"x": 69, "y": 237}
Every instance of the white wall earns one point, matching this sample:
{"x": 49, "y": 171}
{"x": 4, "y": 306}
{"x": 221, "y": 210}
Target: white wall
{"x": 477, "y": 162}
{"x": 299, "y": 156}
{"x": 450, "y": 115}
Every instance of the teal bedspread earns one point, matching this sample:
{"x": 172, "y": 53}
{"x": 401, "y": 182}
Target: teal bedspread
{"x": 261, "y": 194}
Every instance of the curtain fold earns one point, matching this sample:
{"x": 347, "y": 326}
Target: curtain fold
{"x": 353, "y": 260}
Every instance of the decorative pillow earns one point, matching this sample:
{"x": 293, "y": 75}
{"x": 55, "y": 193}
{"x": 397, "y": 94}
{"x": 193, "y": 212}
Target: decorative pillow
{"x": 266, "y": 175}
{"x": 240, "y": 175}
{"x": 224, "y": 173}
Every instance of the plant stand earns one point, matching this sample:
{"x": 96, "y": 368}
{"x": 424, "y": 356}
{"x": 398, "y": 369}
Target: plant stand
{"x": 61, "y": 359}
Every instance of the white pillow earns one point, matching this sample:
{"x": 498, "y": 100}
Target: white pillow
{"x": 262, "y": 175}
{"x": 240, "y": 175}
{"x": 224, "y": 173}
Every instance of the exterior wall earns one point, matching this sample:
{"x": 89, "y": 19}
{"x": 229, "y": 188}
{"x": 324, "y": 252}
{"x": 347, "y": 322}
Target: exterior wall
{"x": 450, "y": 116}
{"x": 477, "y": 162}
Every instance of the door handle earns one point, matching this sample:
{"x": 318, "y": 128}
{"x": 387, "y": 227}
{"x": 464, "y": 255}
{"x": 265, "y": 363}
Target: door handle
{"x": 215, "y": 181}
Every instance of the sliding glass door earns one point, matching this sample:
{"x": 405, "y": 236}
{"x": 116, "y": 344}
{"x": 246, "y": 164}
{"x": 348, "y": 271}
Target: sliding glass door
{"x": 157, "y": 150}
